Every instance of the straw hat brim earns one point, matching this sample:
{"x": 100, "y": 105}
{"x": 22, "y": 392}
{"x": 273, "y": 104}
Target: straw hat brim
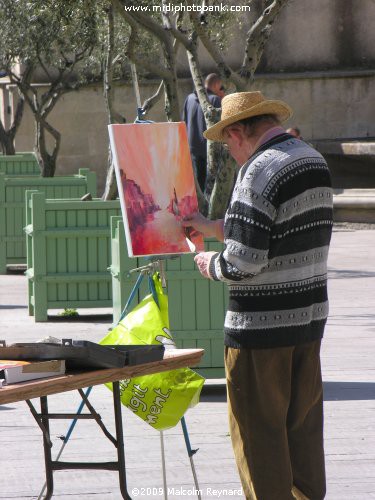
{"x": 278, "y": 108}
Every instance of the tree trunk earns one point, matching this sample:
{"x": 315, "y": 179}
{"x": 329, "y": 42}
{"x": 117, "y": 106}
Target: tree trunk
{"x": 9, "y": 148}
{"x": 47, "y": 161}
{"x": 172, "y": 107}
{"x": 7, "y": 136}
{"x": 7, "y": 141}
{"x": 216, "y": 158}
{"x": 110, "y": 188}
{"x": 222, "y": 190}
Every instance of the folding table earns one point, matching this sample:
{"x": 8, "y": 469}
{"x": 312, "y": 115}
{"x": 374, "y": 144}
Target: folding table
{"x": 42, "y": 388}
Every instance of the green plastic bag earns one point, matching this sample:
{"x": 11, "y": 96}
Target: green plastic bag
{"x": 160, "y": 399}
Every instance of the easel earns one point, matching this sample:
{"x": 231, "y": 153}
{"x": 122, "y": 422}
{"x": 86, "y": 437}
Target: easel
{"x": 156, "y": 265}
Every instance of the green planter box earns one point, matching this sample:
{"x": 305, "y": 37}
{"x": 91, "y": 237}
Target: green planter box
{"x": 19, "y": 164}
{"x": 68, "y": 253}
{"x": 196, "y": 305}
{"x": 12, "y": 207}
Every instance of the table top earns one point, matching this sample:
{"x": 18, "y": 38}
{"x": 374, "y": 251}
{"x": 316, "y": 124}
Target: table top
{"x": 173, "y": 358}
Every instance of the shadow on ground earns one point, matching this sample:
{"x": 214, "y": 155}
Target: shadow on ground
{"x": 16, "y": 270}
{"x": 85, "y": 318}
{"x": 333, "y": 391}
{"x": 348, "y": 273}
{"x": 11, "y": 306}
{"x": 349, "y": 391}
{"x": 215, "y": 393}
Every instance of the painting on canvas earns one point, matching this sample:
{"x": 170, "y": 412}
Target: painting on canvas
{"x": 156, "y": 187}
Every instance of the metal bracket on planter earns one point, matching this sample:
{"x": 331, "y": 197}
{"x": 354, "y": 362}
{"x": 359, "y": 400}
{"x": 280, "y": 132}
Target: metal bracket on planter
{"x": 147, "y": 269}
{"x": 156, "y": 264}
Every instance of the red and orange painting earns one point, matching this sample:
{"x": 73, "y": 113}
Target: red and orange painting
{"x": 156, "y": 187}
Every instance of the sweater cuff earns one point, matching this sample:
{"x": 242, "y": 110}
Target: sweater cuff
{"x": 211, "y": 267}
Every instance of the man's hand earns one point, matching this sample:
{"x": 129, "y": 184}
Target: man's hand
{"x": 203, "y": 260}
{"x": 209, "y": 228}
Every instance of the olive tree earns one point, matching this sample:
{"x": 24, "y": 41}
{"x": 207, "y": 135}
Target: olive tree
{"x": 56, "y": 37}
{"x": 118, "y": 37}
{"x": 202, "y": 28}
{"x": 8, "y": 134}
{"x": 190, "y": 25}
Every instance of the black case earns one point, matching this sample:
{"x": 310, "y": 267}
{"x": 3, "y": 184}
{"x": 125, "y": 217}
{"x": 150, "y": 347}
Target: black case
{"x": 83, "y": 354}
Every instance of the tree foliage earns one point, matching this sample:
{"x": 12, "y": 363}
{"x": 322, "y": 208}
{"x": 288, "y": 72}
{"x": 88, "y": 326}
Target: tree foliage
{"x": 56, "y": 38}
{"x": 74, "y": 42}
{"x": 190, "y": 24}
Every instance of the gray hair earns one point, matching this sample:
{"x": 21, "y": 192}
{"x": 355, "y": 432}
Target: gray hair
{"x": 250, "y": 124}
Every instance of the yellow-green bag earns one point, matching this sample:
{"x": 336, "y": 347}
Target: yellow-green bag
{"x": 160, "y": 399}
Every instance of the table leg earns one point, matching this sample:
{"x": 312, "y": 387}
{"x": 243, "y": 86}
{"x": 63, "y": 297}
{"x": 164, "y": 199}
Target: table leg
{"x": 120, "y": 440}
{"x": 47, "y": 447}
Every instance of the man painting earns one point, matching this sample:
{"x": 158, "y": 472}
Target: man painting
{"x": 276, "y": 231}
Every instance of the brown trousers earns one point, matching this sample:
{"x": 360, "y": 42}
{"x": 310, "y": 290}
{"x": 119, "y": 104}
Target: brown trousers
{"x": 275, "y": 402}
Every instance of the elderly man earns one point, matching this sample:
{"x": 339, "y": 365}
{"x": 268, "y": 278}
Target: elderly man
{"x": 276, "y": 231}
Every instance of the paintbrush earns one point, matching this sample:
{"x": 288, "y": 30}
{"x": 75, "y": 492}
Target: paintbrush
{"x": 191, "y": 245}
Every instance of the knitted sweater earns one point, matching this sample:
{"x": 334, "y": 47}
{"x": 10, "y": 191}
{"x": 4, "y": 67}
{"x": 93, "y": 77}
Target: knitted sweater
{"x": 277, "y": 231}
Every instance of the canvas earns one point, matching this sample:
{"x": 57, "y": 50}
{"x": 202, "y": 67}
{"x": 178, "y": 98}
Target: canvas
{"x": 156, "y": 187}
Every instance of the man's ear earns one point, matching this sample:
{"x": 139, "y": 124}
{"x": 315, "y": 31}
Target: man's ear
{"x": 236, "y": 134}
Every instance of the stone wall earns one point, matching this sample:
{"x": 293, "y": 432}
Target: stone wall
{"x": 325, "y": 107}
{"x": 322, "y": 35}
{"x": 309, "y": 35}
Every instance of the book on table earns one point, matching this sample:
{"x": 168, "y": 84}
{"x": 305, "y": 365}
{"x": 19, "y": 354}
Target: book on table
{"x": 14, "y": 371}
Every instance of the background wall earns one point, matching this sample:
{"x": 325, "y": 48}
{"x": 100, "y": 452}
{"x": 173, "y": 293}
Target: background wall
{"x": 318, "y": 35}
{"x": 322, "y": 35}
{"x": 320, "y": 59}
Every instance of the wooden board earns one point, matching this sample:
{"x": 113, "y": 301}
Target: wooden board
{"x": 174, "y": 358}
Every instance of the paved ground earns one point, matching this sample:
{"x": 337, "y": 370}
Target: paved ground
{"x": 349, "y": 377}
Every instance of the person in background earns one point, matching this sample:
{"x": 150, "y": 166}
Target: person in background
{"x": 276, "y": 234}
{"x": 295, "y": 132}
{"x": 196, "y": 124}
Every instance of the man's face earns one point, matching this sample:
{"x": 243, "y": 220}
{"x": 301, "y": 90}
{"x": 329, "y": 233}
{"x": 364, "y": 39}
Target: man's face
{"x": 236, "y": 144}
{"x": 218, "y": 89}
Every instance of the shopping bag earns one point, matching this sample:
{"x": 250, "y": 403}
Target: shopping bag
{"x": 160, "y": 399}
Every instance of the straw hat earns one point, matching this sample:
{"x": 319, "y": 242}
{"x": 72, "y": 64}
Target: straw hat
{"x": 235, "y": 107}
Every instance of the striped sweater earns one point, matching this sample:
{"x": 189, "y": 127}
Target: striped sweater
{"x": 277, "y": 231}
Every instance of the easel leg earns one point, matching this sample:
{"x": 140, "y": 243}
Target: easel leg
{"x": 191, "y": 453}
{"x": 120, "y": 440}
{"x": 47, "y": 448}
{"x": 163, "y": 466}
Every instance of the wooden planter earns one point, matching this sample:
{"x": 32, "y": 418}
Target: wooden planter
{"x": 12, "y": 207}
{"x": 19, "y": 164}
{"x": 196, "y": 305}
{"x": 68, "y": 253}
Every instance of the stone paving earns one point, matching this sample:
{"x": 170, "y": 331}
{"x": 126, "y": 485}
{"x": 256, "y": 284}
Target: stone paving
{"x": 348, "y": 360}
